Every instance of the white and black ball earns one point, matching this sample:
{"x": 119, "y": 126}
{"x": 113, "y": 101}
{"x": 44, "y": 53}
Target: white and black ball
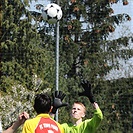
{"x": 52, "y": 13}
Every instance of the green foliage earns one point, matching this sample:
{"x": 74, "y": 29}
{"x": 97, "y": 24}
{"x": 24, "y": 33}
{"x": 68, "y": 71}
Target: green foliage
{"x": 117, "y": 100}
{"x": 26, "y": 63}
{"x": 86, "y": 32}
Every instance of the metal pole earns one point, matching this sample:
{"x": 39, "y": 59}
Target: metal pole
{"x": 132, "y": 112}
{"x": 57, "y": 60}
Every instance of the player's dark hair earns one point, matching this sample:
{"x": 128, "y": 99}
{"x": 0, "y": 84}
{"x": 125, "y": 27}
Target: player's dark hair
{"x": 42, "y": 103}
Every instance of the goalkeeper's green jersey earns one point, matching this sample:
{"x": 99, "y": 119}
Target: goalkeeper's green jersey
{"x": 87, "y": 126}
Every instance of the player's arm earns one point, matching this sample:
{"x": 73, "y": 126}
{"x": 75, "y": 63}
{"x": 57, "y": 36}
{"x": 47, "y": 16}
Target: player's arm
{"x": 95, "y": 105}
{"x": 21, "y": 119}
{"x": 98, "y": 116}
{"x": 88, "y": 93}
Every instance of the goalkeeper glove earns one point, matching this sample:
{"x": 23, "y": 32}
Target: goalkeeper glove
{"x": 58, "y": 96}
{"x": 87, "y": 91}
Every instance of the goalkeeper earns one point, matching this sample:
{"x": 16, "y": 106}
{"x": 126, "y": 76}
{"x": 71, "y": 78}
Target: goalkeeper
{"x": 78, "y": 113}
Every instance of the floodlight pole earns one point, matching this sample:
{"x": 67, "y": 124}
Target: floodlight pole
{"x": 57, "y": 60}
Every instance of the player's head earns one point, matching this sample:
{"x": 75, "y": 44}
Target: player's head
{"x": 42, "y": 103}
{"x": 78, "y": 110}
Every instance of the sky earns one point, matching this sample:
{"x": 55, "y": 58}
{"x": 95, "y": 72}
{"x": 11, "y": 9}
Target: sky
{"x": 119, "y": 8}
{"x": 43, "y": 2}
{"x": 125, "y": 29}
{"x": 126, "y": 68}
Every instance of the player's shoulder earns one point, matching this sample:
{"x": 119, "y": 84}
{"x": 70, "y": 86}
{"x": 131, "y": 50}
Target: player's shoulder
{"x": 32, "y": 120}
{"x": 67, "y": 124}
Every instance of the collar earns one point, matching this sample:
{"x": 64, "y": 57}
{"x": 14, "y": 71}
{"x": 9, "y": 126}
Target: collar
{"x": 44, "y": 115}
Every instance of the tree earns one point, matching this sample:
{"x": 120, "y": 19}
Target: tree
{"x": 85, "y": 53}
{"x": 26, "y": 63}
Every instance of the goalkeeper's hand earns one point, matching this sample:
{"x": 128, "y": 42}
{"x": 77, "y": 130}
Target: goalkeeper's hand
{"x": 87, "y": 91}
{"x": 58, "y": 96}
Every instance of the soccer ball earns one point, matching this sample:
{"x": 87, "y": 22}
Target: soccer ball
{"x": 52, "y": 13}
